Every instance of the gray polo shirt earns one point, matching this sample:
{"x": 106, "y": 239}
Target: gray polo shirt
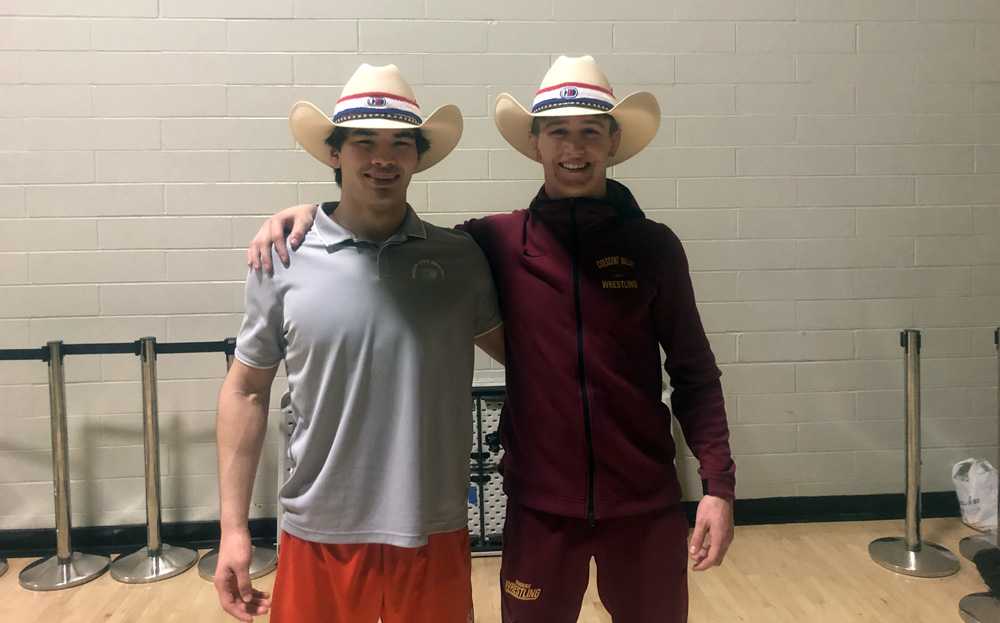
{"x": 378, "y": 343}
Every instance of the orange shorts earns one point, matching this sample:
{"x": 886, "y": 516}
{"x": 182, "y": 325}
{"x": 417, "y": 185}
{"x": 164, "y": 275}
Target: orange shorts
{"x": 358, "y": 583}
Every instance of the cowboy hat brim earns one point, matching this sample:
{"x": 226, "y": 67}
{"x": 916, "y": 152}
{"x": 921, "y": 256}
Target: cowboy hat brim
{"x": 638, "y": 116}
{"x": 311, "y": 127}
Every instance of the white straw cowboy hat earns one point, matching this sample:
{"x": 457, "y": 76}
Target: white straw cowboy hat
{"x": 377, "y": 98}
{"x": 576, "y": 86}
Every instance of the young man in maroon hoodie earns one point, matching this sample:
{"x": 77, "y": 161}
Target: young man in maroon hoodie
{"x": 590, "y": 290}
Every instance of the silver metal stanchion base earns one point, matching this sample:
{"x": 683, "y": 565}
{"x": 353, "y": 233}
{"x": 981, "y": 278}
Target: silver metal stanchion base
{"x": 930, "y": 561}
{"x": 972, "y": 545}
{"x": 141, "y": 567}
{"x": 979, "y": 608}
{"x": 49, "y": 574}
{"x": 263, "y": 560}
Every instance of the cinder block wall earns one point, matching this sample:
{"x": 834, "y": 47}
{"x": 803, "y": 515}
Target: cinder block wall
{"x": 833, "y": 167}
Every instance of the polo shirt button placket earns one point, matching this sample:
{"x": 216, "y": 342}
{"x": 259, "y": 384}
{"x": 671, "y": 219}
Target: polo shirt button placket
{"x": 384, "y": 248}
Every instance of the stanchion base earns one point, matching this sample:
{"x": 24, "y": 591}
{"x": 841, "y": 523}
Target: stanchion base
{"x": 972, "y": 545}
{"x": 263, "y": 560}
{"x": 141, "y": 567}
{"x": 979, "y": 608}
{"x": 49, "y": 574}
{"x": 930, "y": 561}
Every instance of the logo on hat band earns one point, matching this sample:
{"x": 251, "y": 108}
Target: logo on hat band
{"x": 377, "y": 106}
{"x": 573, "y": 94}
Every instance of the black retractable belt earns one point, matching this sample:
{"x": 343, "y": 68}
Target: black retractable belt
{"x": 227, "y": 346}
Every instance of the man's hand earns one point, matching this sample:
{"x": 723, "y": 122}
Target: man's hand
{"x": 297, "y": 219}
{"x": 713, "y": 532}
{"x": 232, "y": 579}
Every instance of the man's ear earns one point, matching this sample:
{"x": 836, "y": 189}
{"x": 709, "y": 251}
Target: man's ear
{"x": 534, "y": 146}
{"x": 616, "y": 140}
{"x": 334, "y": 158}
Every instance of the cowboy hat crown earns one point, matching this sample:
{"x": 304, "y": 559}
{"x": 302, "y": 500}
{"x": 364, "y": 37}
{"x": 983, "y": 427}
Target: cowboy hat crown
{"x": 576, "y": 86}
{"x": 377, "y": 98}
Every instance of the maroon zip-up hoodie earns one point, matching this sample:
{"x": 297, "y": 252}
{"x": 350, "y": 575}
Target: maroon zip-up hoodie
{"x": 590, "y": 289}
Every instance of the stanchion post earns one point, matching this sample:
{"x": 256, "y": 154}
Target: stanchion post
{"x": 157, "y": 561}
{"x": 67, "y": 568}
{"x": 151, "y": 445}
{"x": 910, "y": 555}
{"x": 910, "y": 340}
{"x": 60, "y": 450}
{"x": 263, "y": 560}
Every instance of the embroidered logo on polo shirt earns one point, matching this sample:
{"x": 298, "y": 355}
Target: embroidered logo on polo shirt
{"x": 619, "y": 272}
{"x": 427, "y": 270}
{"x": 521, "y": 590}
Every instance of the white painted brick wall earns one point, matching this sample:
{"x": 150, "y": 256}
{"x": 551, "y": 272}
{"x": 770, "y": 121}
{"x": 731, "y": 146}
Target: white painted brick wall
{"x": 748, "y": 130}
{"x": 833, "y": 168}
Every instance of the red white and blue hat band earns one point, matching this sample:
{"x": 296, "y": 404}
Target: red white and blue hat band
{"x": 377, "y": 105}
{"x": 576, "y": 94}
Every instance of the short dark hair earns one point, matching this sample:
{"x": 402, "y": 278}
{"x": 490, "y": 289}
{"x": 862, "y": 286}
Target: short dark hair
{"x": 536, "y": 124}
{"x": 340, "y": 134}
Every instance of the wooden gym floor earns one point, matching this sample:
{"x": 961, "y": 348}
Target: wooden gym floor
{"x": 813, "y": 573}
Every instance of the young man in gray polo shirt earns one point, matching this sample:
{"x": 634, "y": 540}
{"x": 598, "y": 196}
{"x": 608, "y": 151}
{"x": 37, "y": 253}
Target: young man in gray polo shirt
{"x": 375, "y": 323}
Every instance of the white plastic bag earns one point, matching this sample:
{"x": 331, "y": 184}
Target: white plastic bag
{"x": 976, "y": 487}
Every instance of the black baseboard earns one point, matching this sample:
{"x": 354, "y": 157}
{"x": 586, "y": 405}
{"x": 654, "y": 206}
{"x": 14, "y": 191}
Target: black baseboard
{"x": 124, "y": 539}
{"x": 837, "y": 508}
{"x": 203, "y": 534}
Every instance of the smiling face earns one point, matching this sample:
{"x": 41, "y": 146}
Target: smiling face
{"x": 574, "y": 152}
{"x": 376, "y": 166}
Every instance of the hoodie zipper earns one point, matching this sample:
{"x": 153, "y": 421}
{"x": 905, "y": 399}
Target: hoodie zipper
{"x": 582, "y": 370}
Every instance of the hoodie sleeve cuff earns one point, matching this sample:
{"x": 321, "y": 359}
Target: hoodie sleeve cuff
{"x": 724, "y": 488}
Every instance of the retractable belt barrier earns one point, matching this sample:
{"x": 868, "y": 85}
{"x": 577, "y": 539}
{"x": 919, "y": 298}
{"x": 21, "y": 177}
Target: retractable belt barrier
{"x": 157, "y": 560}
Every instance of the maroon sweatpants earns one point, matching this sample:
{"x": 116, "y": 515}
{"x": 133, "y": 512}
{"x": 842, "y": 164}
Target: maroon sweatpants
{"x": 641, "y": 566}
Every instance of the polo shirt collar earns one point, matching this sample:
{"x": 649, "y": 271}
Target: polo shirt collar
{"x": 333, "y": 234}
